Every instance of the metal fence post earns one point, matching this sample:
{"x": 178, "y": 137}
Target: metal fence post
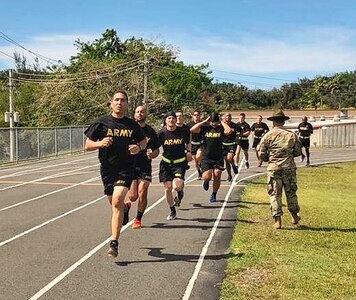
{"x": 38, "y": 144}
{"x": 83, "y": 139}
{"x": 17, "y": 144}
{"x": 70, "y": 139}
{"x": 55, "y": 142}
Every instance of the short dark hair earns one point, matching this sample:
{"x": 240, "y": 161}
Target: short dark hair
{"x": 243, "y": 115}
{"x": 121, "y": 92}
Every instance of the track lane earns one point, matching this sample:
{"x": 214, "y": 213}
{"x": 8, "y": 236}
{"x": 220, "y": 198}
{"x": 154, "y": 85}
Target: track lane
{"x": 162, "y": 251}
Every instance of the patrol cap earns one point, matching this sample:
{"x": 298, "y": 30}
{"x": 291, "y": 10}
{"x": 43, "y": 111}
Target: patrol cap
{"x": 170, "y": 114}
{"x": 214, "y": 117}
{"x": 278, "y": 115}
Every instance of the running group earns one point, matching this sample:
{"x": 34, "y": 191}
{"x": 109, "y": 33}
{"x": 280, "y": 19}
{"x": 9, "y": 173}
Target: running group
{"x": 127, "y": 146}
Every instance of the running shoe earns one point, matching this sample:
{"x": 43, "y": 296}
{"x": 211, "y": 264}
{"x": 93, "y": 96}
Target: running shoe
{"x": 235, "y": 168}
{"x": 212, "y": 198}
{"x": 126, "y": 213}
{"x": 136, "y": 224}
{"x": 229, "y": 178}
{"x": 206, "y": 185}
{"x": 172, "y": 216}
{"x": 113, "y": 248}
{"x": 295, "y": 218}
{"x": 307, "y": 164}
{"x": 247, "y": 165}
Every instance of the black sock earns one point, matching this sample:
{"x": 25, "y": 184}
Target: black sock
{"x": 139, "y": 215}
{"x": 173, "y": 209}
{"x": 214, "y": 193}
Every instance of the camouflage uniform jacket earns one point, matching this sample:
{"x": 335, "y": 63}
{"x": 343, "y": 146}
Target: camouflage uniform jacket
{"x": 278, "y": 147}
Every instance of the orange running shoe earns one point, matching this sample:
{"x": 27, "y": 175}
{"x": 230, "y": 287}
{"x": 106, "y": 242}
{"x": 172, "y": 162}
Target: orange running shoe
{"x": 136, "y": 224}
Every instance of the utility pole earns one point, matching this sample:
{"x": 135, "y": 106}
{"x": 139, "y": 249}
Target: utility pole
{"x": 12, "y": 123}
{"x": 145, "y": 79}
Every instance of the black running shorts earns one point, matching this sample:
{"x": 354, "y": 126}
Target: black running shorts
{"x": 143, "y": 171}
{"x": 305, "y": 143}
{"x": 167, "y": 172}
{"x": 112, "y": 176}
{"x": 256, "y": 141}
{"x": 229, "y": 149}
{"x": 211, "y": 164}
{"x": 195, "y": 149}
{"x": 244, "y": 144}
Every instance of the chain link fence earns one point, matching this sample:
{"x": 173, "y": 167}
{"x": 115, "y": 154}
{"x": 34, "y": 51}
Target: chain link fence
{"x": 24, "y": 143}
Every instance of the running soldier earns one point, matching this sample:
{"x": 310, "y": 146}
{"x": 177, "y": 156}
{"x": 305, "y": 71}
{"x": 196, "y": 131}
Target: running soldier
{"x": 176, "y": 154}
{"x": 242, "y": 140}
{"x": 212, "y": 163}
{"x": 278, "y": 147}
{"x": 229, "y": 146}
{"x": 259, "y": 129}
{"x": 180, "y": 121}
{"x": 305, "y": 130}
{"x": 197, "y": 141}
{"x": 143, "y": 168}
{"x": 118, "y": 139}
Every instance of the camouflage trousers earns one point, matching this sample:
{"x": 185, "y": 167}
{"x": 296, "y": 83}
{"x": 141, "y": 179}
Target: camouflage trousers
{"x": 276, "y": 181}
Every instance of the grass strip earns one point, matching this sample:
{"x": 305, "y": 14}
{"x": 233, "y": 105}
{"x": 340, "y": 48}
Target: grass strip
{"x": 313, "y": 260}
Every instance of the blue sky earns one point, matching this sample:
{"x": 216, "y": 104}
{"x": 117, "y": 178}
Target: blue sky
{"x": 242, "y": 40}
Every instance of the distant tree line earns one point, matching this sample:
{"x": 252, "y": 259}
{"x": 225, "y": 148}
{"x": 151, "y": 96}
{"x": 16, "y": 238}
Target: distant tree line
{"x": 78, "y": 93}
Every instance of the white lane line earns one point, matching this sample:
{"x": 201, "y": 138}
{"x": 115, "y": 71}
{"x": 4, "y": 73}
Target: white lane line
{"x": 50, "y": 221}
{"x": 93, "y": 251}
{"x": 25, "y": 172}
{"x": 199, "y": 264}
{"x": 47, "y": 177}
{"x": 50, "y": 193}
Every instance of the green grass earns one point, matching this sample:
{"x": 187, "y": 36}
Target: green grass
{"x": 313, "y": 260}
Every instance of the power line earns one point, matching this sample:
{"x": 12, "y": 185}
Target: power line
{"x": 6, "y": 54}
{"x": 79, "y": 73}
{"x": 10, "y": 40}
{"x": 173, "y": 69}
{"x": 74, "y": 80}
{"x": 244, "y": 81}
{"x": 247, "y": 75}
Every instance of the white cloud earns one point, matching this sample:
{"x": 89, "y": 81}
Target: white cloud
{"x": 324, "y": 50}
{"x": 57, "y": 47}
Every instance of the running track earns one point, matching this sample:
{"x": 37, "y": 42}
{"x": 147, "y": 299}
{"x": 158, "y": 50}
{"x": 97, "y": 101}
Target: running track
{"x": 55, "y": 228}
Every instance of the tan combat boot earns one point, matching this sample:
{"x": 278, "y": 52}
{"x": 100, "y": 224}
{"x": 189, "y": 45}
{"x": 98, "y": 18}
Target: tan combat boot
{"x": 295, "y": 218}
{"x": 277, "y": 222}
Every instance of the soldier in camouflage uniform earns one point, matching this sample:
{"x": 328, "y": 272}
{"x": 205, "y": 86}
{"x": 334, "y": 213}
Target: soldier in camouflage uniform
{"x": 278, "y": 147}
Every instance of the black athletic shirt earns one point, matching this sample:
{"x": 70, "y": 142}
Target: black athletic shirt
{"x": 305, "y": 129}
{"x": 124, "y": 131}
{"x": 245, "y": 127}
{"x": 196, "y": 137}
{"x": 173, "y": 142}
{"x": 152, "y": 143}
{"x": 213, "y": 139}
{"x": 259, "y": 129}
{"x": 231, "y": 138}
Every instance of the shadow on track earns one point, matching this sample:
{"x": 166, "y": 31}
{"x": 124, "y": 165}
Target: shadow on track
{"x": 170, "y": 257}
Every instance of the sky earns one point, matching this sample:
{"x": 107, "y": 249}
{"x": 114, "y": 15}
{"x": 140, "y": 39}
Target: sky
{"x": 257, "y": 43}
